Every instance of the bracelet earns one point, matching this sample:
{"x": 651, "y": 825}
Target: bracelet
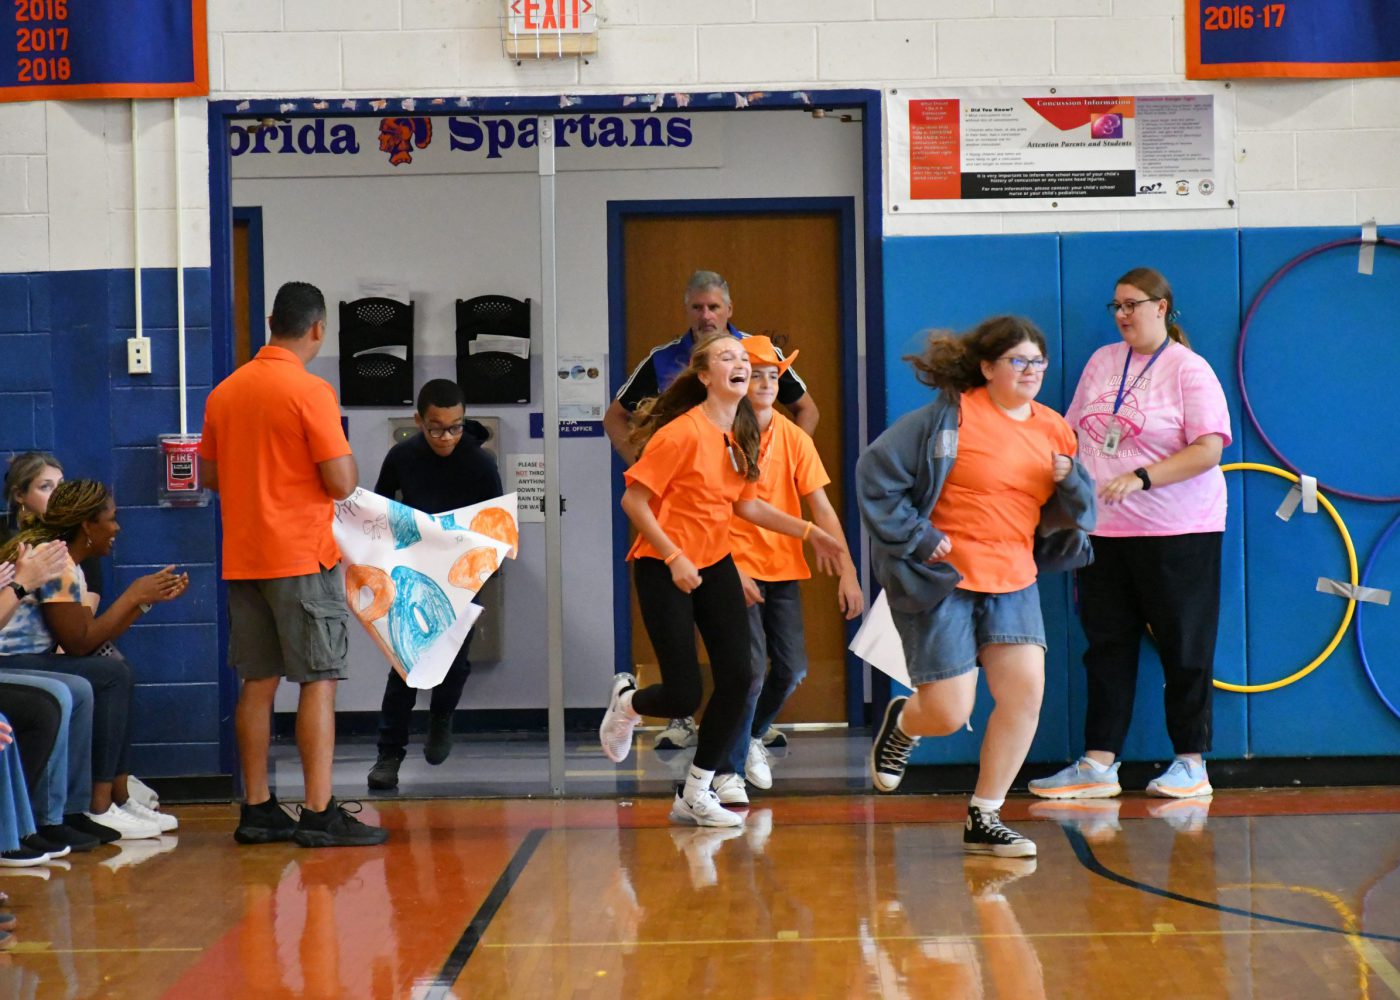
{"x": 671, "y": 558}
{"x": 807, "y": 531}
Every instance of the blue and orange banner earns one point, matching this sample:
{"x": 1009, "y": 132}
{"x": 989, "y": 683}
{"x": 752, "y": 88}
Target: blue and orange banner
{"x": 72, "y": 49}
{"x": 1294, "y": 38}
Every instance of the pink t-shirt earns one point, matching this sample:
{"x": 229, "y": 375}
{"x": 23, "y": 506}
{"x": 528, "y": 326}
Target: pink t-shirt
{"x": 1178, "y": 400}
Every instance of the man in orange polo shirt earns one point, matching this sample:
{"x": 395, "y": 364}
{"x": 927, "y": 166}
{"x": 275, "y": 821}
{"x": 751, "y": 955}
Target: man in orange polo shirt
{"x": 274, "y": 449}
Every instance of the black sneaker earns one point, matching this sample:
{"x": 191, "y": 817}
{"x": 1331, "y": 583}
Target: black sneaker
{"x": 80, "y": 822}
{"x": 889, "y": 754}
{"x": 62, "y": 833}
{"x": 334, "y": 826}
{"x": 984, "y": 833}
{"x": 22, "y": 857}
{"x": 439, "y": 743}
{"x": 265, "y": 823}
{"x": 43, "y": 845}
{"x": 384, "y": 775}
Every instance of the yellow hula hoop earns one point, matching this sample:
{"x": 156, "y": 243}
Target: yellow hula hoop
{"x": 1351, "y": 602}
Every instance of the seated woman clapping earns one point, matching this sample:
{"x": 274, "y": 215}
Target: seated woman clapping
{"x": 82, "y": 514}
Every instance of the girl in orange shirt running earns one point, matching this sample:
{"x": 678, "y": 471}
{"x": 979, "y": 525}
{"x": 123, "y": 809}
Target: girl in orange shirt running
{"x": 699, "y": 468}
{"x": 771, "y": 567}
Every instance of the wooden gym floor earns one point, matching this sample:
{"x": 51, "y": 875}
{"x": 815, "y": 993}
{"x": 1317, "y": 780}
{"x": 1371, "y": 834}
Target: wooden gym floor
{"x": 1269, "y": 894}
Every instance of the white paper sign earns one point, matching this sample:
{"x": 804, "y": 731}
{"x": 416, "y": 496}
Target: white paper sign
{"x": 583, "y": 391}
{"x": 877, "y": 643}
{"x": 410, "y": 577}
{"x": 526, "y": 475}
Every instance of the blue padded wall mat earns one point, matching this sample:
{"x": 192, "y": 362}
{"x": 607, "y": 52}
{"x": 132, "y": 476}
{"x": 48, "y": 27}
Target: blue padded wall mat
{"x": 1320, "y": 362}
{"x": 954, "y": 283}
{"x": 1202, "y": 267}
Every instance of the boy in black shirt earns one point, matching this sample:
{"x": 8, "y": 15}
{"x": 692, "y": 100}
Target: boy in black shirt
{"x": 441, "y": 468}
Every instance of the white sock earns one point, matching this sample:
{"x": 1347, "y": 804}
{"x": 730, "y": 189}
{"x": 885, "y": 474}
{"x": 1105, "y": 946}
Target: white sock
{"x": 985, "y": 805}
{"x": 625, "y": 700}
{"x": 696, "y": 782}
{"x": 1096, "y": 766}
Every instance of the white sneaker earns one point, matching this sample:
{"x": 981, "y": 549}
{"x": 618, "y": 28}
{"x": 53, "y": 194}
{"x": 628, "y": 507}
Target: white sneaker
{"x": 678, "y": 734}
{"x": 164, "y": 821}
{"x": 124, "y": 823}
{"x": 615, "y": 734}
{"x": 757, "y": 767}
{"x": 142, "y": 792}
{"x": 730, "y": 790}
{"x": 704, "y": 811}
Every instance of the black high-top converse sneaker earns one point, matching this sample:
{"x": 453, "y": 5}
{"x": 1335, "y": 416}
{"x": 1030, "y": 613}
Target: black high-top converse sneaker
{"x": 984, "y": 833}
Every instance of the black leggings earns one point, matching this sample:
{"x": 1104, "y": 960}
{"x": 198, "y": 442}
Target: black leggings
{"x": 717, "y": 609}
{"x": 1170, "y": 583}
{"x": 36, "y": 717}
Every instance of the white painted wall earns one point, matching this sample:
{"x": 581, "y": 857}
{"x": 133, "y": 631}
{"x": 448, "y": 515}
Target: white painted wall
{"x": 456, "y": 236}
{"x": 1309, "y": 153}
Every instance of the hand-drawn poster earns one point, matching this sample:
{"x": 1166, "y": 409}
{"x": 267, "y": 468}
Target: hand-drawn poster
{"x": 410, "y": 577}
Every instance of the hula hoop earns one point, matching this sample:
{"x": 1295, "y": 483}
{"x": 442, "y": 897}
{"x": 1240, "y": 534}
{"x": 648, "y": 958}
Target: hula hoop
{"x": 1351, "y": 602}
{"x": 1239, "y": 365}
{"x": 1360, "y": 636}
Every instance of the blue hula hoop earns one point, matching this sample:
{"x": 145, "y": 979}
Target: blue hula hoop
{"x": 1360, "y": 634}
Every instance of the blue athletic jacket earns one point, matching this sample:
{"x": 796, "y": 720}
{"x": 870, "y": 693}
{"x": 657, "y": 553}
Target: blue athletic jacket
{"x": 898, "y": 480}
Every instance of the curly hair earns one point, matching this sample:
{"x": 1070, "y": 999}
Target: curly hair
{"x": 953, "y": 363}
{"x": 74, "y": 503}
{"x": 688, "y": 392}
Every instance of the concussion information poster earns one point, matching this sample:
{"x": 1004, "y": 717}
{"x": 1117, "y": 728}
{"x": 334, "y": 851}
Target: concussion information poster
{"x": 1017, "y": 150}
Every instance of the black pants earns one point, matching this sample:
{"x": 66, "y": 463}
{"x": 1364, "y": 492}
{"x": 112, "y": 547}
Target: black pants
{"x": 36, "y": 717}
{"x": 716, "y": 608}
{"x": 399, "y": 699}
{"x": 1170, "y": 584}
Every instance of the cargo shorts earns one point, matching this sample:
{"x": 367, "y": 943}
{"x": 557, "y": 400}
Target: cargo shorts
{"x": 297, "y": 627}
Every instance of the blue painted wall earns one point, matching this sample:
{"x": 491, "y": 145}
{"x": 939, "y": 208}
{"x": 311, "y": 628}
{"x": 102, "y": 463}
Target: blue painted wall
{"x": 1320, "y": 359}
{"x": 64, "y": 388}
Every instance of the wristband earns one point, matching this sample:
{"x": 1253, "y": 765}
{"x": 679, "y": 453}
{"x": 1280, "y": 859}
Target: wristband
{"x": 1141, "y": 473}
{"x": 671, "y": 558}
{"x": 807, "y": 531}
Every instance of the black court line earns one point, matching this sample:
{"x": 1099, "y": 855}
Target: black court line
{"x": 1086, "y": 857}
{"x": 441, "y": 984}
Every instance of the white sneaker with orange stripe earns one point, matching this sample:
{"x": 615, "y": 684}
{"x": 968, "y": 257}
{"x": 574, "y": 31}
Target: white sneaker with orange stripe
{"x": 1184, "y": 779}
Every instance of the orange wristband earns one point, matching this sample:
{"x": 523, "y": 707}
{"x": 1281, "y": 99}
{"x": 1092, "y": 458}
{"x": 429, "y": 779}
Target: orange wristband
{"x": 671, "y": 558}
{"x": 807, "y": 531}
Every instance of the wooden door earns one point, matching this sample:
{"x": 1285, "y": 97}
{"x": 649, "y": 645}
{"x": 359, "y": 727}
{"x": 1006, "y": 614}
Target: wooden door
{"x": 242, "y": 342}
{"x": 784, "y": 274}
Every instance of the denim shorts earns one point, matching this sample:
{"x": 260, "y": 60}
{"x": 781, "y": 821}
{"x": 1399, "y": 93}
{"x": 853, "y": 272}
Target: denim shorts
{"x": 943, "y": 642}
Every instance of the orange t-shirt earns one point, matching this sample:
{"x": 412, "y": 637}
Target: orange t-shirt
{"x": 694, "y": 485}
{"x": 990, "y": 503}
{"x": 268, "y": 426}
{"x": 791, "y": 468}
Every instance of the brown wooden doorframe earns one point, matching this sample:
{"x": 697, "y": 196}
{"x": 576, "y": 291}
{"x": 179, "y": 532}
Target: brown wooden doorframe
{"x": 840, "y": 407}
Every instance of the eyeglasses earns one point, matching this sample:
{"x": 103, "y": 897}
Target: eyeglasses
{"x": 438, "y": 433}
{"x": 1021, "y": 364}
{"x": 1127, "y": 305}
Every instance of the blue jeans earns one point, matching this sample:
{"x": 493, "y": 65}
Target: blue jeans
{"x": 112, "y": 685}
{"x": 778, "y": 639}
{"x": 66, "y": 784}
{"x": 16, "y": 820}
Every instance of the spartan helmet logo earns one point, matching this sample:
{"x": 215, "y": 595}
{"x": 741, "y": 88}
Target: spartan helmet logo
{"x": 398, "y": 136}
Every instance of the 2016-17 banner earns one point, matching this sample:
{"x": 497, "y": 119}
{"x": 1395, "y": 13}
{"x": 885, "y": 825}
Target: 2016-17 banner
{"x": 1295, "y": 38}
{"x": 71, "y": 49}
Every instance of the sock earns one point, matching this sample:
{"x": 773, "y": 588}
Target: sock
{"x": 985, "y": 805}
{"x": 696, "y": 782}
{"x": 1095, "y": 766}
{"x": 625, "y": 700}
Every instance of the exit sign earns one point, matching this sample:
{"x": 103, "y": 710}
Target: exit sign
{"x": 541, "y": 29}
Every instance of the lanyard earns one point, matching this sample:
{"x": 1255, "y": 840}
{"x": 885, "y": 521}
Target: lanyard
{"x": 1137, "y": 379}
